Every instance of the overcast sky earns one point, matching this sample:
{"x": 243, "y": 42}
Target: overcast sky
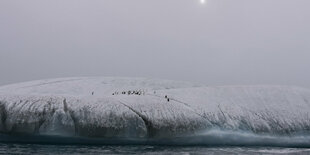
{"x": 221, "y": 42}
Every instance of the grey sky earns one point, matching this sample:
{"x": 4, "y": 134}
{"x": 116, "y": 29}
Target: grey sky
{"x": 226, "y": 42}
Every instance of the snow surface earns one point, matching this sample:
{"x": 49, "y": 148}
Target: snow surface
{"x": 66, "y": 107}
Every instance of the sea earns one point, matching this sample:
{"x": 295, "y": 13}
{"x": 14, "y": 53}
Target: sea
{"x": 42, "y": 149}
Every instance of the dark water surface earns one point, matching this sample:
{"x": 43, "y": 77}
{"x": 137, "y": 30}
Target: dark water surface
{"x": 31, "y": 149}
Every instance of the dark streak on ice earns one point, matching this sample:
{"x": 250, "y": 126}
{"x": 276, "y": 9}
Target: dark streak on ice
{"x": 147, "y": 122}
{"x": 3, "y": 115}
{"x": 190, "y": 108}
{"x": 71, "y": 113}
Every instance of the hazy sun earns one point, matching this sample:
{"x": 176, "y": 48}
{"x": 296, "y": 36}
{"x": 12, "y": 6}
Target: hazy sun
{"x": 202, "y": 1}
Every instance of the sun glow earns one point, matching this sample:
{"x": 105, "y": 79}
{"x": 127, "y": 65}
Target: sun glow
{"x": 202, "y": 1}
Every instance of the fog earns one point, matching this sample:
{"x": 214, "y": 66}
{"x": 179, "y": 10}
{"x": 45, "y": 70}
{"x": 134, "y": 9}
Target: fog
{"x": 220, "y": 42}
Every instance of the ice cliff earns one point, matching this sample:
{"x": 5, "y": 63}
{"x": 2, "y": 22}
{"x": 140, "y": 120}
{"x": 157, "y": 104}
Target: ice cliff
{"x": 96, "y": 108}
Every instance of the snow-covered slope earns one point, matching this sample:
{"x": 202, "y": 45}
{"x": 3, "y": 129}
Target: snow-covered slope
{"x": 95, "y": 107}
{"x": 84, "y": 86}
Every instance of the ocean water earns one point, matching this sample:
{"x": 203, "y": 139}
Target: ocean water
{"x": 32, "y": 149}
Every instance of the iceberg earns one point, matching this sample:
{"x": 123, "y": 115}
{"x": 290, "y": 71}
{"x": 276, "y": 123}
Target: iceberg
{"x": 149, "y": 111}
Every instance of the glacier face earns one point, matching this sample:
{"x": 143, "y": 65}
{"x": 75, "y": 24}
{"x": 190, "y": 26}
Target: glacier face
{"x": 89, "y": 107}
